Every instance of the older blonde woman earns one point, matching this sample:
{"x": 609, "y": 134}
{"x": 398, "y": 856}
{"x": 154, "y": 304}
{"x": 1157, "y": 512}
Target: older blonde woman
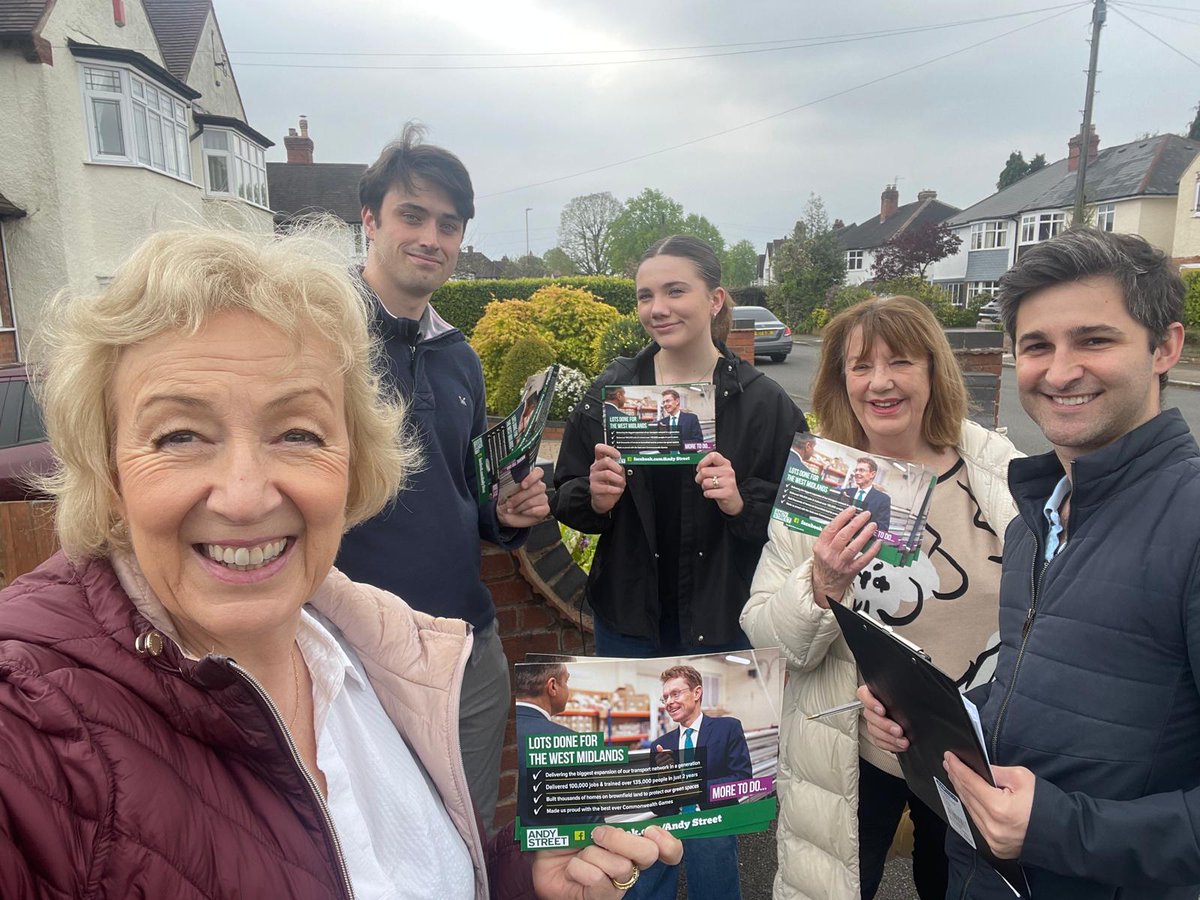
{"x": 193, "y": 703}
{"x": 887, "y": 383}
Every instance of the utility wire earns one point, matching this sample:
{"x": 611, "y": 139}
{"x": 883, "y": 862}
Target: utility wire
{"x": 785, "y": 112}
{"x": 824, "y": 42}
{"x": 1141, "y": 27}
{"x": 798, "y": 41}
{"x": 1150, "y": 11}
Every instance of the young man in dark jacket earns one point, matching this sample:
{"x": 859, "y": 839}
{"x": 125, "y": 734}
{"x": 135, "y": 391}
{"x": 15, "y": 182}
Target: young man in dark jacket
{"x": 1093, "y": 720}
{"x": 416, "y": 201}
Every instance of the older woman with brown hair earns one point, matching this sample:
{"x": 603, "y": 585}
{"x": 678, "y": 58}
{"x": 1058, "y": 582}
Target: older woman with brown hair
{"x": 193, "y": 702}
{"x": 888, "y": 384}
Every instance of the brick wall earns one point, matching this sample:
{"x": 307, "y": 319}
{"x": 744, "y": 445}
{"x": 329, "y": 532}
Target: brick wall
{"x": 528, "y": 623}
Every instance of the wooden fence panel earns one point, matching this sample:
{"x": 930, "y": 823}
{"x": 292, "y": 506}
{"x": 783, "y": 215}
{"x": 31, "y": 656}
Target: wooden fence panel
{"x": 26, "y": 537}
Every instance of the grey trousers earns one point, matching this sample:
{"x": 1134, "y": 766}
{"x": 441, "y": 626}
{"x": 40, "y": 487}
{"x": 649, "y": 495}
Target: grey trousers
{"x": 482, "y": 716}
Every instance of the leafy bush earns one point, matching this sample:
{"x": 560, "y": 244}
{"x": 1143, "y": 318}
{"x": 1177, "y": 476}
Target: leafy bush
{"x": 463, "y": 303}
{"x": 1191, "y": 300}
{"x": 505, "y": 323}
{"x": 576, "y": 318}
{"x": 568, "y": 391}
{"x": 623, "y": 337}
{"x": 526, "y": 357}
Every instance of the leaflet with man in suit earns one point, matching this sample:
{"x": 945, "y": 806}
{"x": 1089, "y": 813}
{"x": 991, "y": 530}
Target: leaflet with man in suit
{"x": 661, "y": 424}
{"x": 688, "y": 743}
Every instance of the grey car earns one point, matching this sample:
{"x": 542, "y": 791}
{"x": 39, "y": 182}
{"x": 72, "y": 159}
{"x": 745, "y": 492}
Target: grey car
{"x": 772, "y": 338}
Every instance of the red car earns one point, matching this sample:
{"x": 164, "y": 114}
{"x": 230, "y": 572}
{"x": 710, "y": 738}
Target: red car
{"x": 24, "y": 449}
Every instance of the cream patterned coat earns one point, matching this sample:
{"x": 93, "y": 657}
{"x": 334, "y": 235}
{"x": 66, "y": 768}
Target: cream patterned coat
{"x": 818, "y": 760}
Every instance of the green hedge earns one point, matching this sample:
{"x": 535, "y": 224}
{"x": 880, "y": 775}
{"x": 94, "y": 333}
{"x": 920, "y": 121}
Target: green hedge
{"x": 1191, "y": 300}
{"x": 461, "y": 303}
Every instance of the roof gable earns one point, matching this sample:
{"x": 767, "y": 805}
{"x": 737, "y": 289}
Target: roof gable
{"x": 298, "y": 189}
{"x": 178, "y": 25}
{"x": 1143, "y": 168}
{"x": 874, "y": 233}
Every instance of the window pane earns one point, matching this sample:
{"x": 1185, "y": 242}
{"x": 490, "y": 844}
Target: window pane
{"x": 109, "y": 141}
{"x": 103, "y": 80}
{"x": 185, "y": 152}
{"x": 170, "y": 151}
{"x": 139, "y": 89}
{"x": 216, "y": 140}
{"x": 218, "y": 173}
{"x": 156, "y": 141}
{"x": 141, "y": 133}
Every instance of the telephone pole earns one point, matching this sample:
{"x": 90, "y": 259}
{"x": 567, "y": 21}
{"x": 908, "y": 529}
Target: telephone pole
{"x": 1099, "y": 12}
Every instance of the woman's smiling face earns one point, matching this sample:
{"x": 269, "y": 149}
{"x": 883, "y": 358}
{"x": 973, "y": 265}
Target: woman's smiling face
{"x": 888, "y": 390}
{"x": 232, "y": 459}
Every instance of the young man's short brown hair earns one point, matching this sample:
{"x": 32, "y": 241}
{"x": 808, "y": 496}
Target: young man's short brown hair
{"x": 406, "y": 161}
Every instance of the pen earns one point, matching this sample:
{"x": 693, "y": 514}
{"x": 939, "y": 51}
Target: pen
{"x": 834, "y": 710}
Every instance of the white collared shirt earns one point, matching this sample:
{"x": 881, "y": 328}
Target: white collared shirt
{"x": 397, "y": 838}
{"x": 534, "y": 706}
{"x": 695, "y": 726}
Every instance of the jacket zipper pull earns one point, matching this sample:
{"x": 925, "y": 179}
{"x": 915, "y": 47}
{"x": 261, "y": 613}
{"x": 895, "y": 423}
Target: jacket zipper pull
{"x": 1028, "y": 623}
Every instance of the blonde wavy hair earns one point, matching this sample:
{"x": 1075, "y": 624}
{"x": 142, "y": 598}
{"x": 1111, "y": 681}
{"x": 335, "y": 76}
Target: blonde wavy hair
{"x": 176, "y": 281}
{"x": 909, "y": 327}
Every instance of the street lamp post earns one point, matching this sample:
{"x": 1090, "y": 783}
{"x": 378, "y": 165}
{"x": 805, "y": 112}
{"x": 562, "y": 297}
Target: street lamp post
{"x": 527, "y": 209}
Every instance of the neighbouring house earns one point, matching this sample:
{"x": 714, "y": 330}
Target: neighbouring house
{"x": 120, "y": 118}
{"x": 861, "y": 241}
{"x": 472, "y": 264}
{"x": 302, "y": 189}
{"x": 1185, "y": 251}
{"x": 1132, "y": 188}
{"x": 766, "y": 263}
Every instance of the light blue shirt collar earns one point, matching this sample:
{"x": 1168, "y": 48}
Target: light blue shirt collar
{"x": 1054, "y": 528}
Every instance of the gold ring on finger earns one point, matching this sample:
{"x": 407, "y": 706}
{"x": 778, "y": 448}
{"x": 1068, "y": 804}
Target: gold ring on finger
{"x": 630, "y": 882}
{"x": 716, "y": 481}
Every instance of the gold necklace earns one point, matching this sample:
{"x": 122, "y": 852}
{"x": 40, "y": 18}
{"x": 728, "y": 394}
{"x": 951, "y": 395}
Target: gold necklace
{"x": 296, "y": 682}
{"x": 705, "y": 373}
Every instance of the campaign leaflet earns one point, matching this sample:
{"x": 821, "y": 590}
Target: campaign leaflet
{"x": 822, "y": 478}
{"x": 616, "y": 747}
{"x": 507, "y": 452}
{"x": 661, "y": 424}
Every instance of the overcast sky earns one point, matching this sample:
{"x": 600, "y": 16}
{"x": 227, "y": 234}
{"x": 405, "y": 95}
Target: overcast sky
{"x": 524, "y": 118}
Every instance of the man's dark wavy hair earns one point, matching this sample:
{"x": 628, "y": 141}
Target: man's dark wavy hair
{"x": 406, "y": 161}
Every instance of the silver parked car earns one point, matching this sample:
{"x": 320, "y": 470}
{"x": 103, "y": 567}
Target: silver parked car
{"x": 772, "y": 338}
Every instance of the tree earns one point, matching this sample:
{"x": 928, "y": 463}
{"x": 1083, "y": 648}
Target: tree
{"x": 558, "y": 263}
{"x": 530, "y": 266}
{"x": 646, "y": 218}
{"x": 585, "y": 231}
{"x": 808, "y": 265}
{"x": 913, "y": 251}
{"x": 739, "y": 267}
{"x": 1016, "y": 168}
{"x": 1194, "y": 130}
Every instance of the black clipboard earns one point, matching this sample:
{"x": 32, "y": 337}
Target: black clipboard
{"x": 927, "y": 704}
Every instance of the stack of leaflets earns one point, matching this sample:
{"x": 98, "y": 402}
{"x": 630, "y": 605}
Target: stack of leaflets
{"x": 605, "y": 747}
{"x": 507, "y": 452}
{"x": 822, "y": 478}
{"x": 661, "y": 424}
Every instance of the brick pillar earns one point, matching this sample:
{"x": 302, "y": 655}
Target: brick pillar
{"x": 527, "y": 623}
{"x": 980, "y": 353}
{"x": 741, "y": 342}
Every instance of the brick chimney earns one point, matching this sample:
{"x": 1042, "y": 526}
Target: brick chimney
{"x": 927, "y": 194}
{"x": 889, "y": 202}
{"x": 838, "y": 224}
{"x": 299, "y": 146}
{"x": 1073, "y": 151}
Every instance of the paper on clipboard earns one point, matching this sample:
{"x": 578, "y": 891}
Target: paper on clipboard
{"x": 936, "y": 718}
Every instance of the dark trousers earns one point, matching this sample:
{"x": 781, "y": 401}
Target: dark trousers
{"x": 881, "y": 801}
